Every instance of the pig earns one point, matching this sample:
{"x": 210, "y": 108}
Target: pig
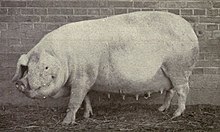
{"x": 130, "y": 54}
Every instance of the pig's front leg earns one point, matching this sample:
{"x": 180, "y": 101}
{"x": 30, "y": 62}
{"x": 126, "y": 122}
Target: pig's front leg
{"x": 77, "y": 95}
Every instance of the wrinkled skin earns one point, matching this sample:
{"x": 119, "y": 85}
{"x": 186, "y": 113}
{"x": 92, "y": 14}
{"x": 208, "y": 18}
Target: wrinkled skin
{"x": 136, "y": 53}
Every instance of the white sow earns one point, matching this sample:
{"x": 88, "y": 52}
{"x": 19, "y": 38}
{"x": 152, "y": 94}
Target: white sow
{"x": 136, "y": 53}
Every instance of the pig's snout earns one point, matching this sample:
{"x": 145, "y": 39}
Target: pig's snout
{"x": 20, "y": 86}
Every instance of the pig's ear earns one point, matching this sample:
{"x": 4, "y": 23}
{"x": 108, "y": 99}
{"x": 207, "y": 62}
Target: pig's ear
{"x": 21, "y": 67}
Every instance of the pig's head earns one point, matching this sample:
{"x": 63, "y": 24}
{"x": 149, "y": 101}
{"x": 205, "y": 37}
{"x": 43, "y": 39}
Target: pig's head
{"x": 39, "y": 75}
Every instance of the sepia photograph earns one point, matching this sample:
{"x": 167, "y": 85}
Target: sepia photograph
{"x": 109, "y": 65}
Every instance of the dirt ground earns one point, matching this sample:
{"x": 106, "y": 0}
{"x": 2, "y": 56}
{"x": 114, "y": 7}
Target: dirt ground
{"x": 112, "y": 117}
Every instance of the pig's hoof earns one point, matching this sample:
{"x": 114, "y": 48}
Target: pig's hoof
{"x": 68, "y": 121}
{"x": 177, "y": 113}
{"x": 87, "y": 114}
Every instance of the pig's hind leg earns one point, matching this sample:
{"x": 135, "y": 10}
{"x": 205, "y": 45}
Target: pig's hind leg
{"x": 178, "y": 72}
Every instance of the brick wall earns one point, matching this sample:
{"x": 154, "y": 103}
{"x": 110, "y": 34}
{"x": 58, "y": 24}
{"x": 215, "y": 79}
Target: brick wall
{"x": 23, "y": 23}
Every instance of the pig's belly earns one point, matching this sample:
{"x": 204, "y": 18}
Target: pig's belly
{"x": 114, "y": 82}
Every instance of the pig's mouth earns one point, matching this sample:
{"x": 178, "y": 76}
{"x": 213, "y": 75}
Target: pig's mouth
{"x": 32, "y": 93}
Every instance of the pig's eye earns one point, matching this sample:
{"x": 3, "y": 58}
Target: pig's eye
{"x": 46, "y": 67}
{"x": 53, "y": 77}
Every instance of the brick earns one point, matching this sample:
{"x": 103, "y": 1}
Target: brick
{"x": 80, "y": 11}
{"x": 29, "y": 41}
{"x": 191, "y": 19}
{"x": 27, "y": 26}
{"x": 18, "y": 49}
{"x": 146, "y": 4}
{"x": 216, "y": 34}
{"x": 203, "y": 5}
{"x": 12, "y": 32}
{"x": 210, "y": 19}
{"x": 197, "y": 71}
{"x": 203, "y": 35}
{"x": 211, "y": 56}
{"x": 76, "y": 4}
{"x": 40, "y": 26}
{"x": 3, "y": 41}
{"x": 3, "y": 49}
{"x": 146, "y": 9}
{"x": 207, "y": 56}
{"x": 216, "y": 4}
{"x": 14, "y": 11}
{"x": 80, "y": 18}
{"x": 201, "y": 56}
{"x": 27, "y": 18}
{"x": 14, "y": 41}
{"x": 217, "y": 56}
{"x": 13, "y": 26}
{"x": 133, "y": 10}
{"x": 212, "y": 49}
{"x": 212, "y": 27}
{"x": 3, "y": 11}
{"x": 208, "y": 82}
{"x": 186, "y": 12}
{"x": 93, "y": 11}
{"x": 40, "y": 11}
{"x": 29, "y": 32}
{"x": 27, "y": 11}
{"x": 25, "y": 30}
{"x": 52, "y": 3}
{"x": 199, "y": 11}
{"x": 175, "y": 11}
{"x": 208, "y": 34}
{"x": 210, "y": 70}
{"x": 66, "y": 11}
{"x": 213, "y": 42}
{"x": 103, "y": 3}
{"x": 119, "y": 3}
{"x": 107, "y": 12}
{"x": 9, "y": 56}
{"x": 4, "y": 46}
{"x": 172, "y": 4}
{"x": 54, "y": 11}
{"x": 3, "y": 26}
{"x": 64, "y": 3}
{"x": 39, "y": 3}
{"x": 120, "y": 11}
{"x": 53, "y": 18}
{"x": 51, "y": 27}
{"x": 208, "y": 64}
{"x": 13, "y": 3}
{"x": 82, "y": 4}
{"x": 64, "y": 23}
{"x": 89, "y": 4}
{"x": 212, "y": 12}
{"x": 202, "y": 41}
{"x": 164, "y": 10}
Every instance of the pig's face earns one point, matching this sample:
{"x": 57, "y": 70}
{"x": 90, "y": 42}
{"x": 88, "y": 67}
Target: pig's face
{"x": 39, "y": 75}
